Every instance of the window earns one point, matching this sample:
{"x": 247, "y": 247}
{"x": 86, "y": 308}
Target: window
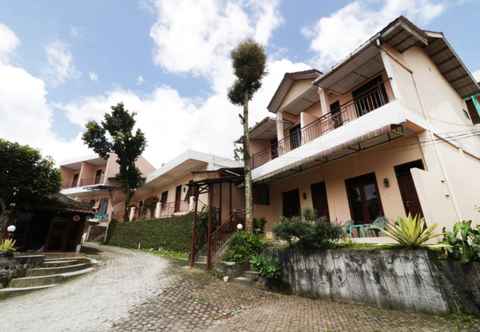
{"x": 291, "y": 203}
{"x": 261, "y": 194}
{"x": 472, "y": 111}
{"x": 319, "y": 200}
{"x": 364, "y": 199}
{"x": 98, "y": 176}
{"x": 370, "y": 96}
{"x": 163, "y": 199}
{"x": 178, "y": 197}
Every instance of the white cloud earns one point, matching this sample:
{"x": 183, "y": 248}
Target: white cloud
{"x": 8, "y": 42}
{"x": 197, "y": 36}
{"x": 61, "y": 64}
{"x": 335, "y": 36}
{"x": 140, "y": 80}
{"x": 93, "y": 76}
{"x": 476, "y": 75}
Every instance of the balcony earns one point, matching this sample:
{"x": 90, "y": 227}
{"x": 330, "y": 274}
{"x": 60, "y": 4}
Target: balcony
{"x": 86, "y": 182}
{"x": 168, "y": 209}
{"x": 352, "y": 110}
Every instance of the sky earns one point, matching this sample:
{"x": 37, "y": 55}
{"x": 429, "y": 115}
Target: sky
{"x": 63, "y": 63}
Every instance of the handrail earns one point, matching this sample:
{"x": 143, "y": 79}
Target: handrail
{"x": 349, "y": 111}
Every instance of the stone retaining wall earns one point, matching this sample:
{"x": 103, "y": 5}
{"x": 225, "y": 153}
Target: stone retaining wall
{"x": 399, "y": 279}
{"x": 16, "y": 266}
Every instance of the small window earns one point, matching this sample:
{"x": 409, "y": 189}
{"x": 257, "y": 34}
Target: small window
{"x": 472, "y": 111}
{"x": 261, "y": 194}
{"x": 163, "y": 199}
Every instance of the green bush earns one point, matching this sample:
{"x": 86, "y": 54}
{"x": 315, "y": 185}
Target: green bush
{"x": 307, "y": 235}
{"x": 463, "y": 242}
{"x": 266, "y": 266}
{"x": 243, "y": 246}
{"x": 259, "y": 225}
{"x": 170, "y": 233}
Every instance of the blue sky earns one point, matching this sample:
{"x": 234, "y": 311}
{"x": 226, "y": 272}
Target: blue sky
{"x": 72, "y": 59}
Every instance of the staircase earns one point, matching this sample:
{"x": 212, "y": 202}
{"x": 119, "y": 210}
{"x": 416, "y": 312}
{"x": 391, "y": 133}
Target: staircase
{"x": 50, "y": 273}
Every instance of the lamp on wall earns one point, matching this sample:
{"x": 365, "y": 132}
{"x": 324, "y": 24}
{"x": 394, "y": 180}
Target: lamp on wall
{"x": 386, "y": 182}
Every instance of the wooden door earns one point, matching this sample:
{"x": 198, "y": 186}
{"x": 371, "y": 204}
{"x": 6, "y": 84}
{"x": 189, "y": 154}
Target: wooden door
{"x": 407, "y": 188}
{"x": 295, "y": 137}
{"x": 178, "y": 197}
{"x": 319, "y": 199}
{"x": 364, "y": 199}
{"x": 336, "y": 114}
{"x": 291, "y": 203}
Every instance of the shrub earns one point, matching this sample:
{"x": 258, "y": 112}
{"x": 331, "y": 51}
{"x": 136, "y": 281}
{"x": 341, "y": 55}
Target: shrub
{"x": 307, "y": 235}
{"x": 410, "y": 232}
{"x": 259, "y": 225}
{"x": 7, "y": 246}
{"x": 243, "y": 246}
{"x": 169, "y": 233}
{"x": 463, "y": 242}
{"x": 266, "y": 266}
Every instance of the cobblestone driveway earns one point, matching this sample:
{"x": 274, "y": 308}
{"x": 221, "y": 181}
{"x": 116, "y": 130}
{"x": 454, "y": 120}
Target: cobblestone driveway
{"x": 141, "y": 292}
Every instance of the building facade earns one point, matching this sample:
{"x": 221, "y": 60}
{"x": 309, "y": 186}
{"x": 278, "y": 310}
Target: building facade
{"x": 390, "y": 131}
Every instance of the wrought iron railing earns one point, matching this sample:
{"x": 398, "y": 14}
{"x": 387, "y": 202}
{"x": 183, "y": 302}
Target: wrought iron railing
{"x": 169, "y": 208}
{"x": 367, "y": 102}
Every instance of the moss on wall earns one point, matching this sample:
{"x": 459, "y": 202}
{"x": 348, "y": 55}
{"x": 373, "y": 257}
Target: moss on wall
{"x": 169, "y": 233}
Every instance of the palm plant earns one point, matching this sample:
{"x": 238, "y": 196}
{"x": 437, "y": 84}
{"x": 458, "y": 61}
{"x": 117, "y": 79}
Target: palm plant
{"x": 7, "y": 246}
{"x": 410, "y": 232}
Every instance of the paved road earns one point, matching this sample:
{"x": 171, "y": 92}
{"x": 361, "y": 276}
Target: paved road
{"x": 135, "y": 291}
{"x": 91, "y": 303}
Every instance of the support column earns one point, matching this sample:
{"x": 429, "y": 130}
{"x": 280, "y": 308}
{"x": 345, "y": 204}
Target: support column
{"x": 220, "y": 204}
{"x": 209, "y": 228}
{"x": 193, "y": 252}
{"x": 230, "y": 202}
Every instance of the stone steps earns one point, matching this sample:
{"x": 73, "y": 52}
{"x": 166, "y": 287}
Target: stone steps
{"x": 7, "y": 292}
{"x": 59, "y": 263}
{"x": 45, "y": 271}
{"x": 45, "y": 280}
{"x": 247, "y": 278}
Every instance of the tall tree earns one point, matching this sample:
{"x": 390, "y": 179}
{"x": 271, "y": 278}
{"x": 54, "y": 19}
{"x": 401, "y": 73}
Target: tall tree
{"x": 122, "y": 140}
{"x": 26, "y": 178}
{"x": 248, "y": 60}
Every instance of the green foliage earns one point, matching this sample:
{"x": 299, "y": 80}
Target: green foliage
{"x": 307, "y": 235}
{"x": 266, "y": 266}
{"x": 309, "y": 214}
{"x": 463, "y": 242}
{"x": 25, "y": 176}
{"x": 259, "y": 225}
{"x": 243, "y": 246}
{"x": 248, "y": 60}
{"x": 410, "y": 232}
{"x": 116, "y": 134}
{"x": 170, "y": 233}
{"x": 7, "y": 246}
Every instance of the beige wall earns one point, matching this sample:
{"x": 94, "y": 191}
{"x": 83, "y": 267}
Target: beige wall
{"x": 297, "y": 88}
{"x": 334, "y": 175}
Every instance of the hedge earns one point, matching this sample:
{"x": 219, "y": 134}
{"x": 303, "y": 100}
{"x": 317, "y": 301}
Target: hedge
{"x": 170, "y": 233}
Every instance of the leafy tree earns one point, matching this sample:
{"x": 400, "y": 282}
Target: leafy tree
{"x": 249, "y": 60}
{"x": 238, "y": 152}
{"x": 26, "y": 178}
{"x": 115, "y": 134}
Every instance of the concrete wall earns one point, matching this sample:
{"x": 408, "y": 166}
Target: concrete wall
{"x": 397, "y": 279}
{"x": 334, "y": 175}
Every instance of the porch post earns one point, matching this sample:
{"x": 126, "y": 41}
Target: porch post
{"x": 220, "y": 204}
{"x": 230, "y": 202}
{"x": 209, "y": 231}
{"x": 194, "y": 227}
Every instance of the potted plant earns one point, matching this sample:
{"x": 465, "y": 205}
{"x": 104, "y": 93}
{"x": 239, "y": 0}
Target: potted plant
{"x": 7, "y": 248}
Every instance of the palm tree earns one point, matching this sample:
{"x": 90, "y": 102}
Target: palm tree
{"x": 248, "y": 61}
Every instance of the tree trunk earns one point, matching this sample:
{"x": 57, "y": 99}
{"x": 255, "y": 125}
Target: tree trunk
{"x": 128, "y": 198}
{"x": 247, "y": 167}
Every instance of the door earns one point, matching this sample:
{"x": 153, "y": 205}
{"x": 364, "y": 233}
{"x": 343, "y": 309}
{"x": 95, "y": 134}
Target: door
{"x": 291, "y": 203}
{"x": 319, "y": 199}
{"x": 178, "y": 198}
{"x": 407, "y": 187}
{"x": 75, "y": 180}
{"x": 364, "y": 199}
{"x": 370, "y": 96}
{"x": 98, "y": 176}
{"x": 274, "y": 148}
{"x": 295, "y": 137}
{"x": 335, "y": 114}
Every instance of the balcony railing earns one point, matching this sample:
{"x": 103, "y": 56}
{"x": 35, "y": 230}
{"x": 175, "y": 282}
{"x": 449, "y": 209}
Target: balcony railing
{"x": 85, "y": 182}
{"x": 347, "y": 112}
{"x": 169, "y": 208}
